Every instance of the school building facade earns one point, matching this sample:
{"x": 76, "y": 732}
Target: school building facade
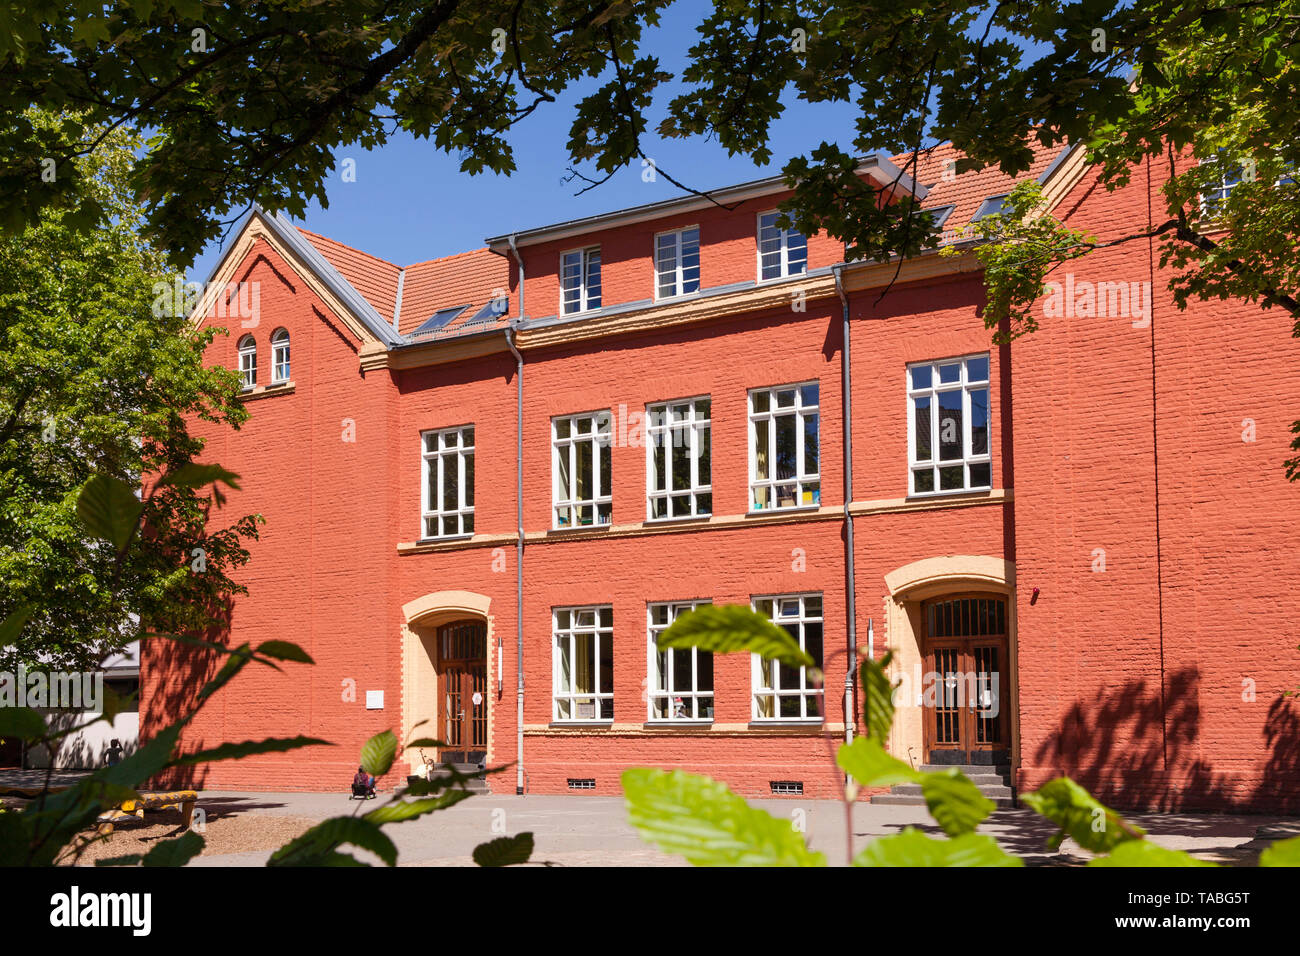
{"x": 490, "y": 480}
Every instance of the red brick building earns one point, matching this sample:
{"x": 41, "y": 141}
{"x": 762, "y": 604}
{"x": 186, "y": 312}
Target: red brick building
{"x": 1085, "y": 535}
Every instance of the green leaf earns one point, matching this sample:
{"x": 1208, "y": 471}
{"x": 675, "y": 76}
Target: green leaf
{"x": 725, "y": 628}
{"x": 1146, "y": 853}
{"x": 196, "y": 475}
{"x": 109, "y": 509}
{"x": 878, "y": 697}
{"x": 317, "y": 846}
{"x": 401, "y": 810}
{"x": 505, "y": 851}
{"x": 866, "y": 762}
{"x": 1093, "y": 826}
{"x": 955, "y": 803}
{"x": 248, "y": 748}
{"x": 284, "y": 651}
{"x": 914, "y": 848}
{"x": 424, "y": 742}
{"x": 13, "y": 624}
{"x": 1282, "y": 853}
{"x": 23, "y": 723}
{"x": 378, "y": 753}
{"x": 175, "y": 852}
{"x": 702, "y": 820}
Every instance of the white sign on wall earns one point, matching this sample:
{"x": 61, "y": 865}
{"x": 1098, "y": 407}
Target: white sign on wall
{"x": 374, "y": 700}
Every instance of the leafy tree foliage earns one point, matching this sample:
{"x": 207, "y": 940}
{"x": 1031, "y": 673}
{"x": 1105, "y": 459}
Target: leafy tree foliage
{"x": 94, "y": 382}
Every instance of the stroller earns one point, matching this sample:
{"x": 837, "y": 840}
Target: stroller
{"x": 363, "y": 786}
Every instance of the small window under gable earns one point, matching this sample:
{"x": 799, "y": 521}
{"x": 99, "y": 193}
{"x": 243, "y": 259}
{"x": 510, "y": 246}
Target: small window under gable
{"x": 247, "y": 362}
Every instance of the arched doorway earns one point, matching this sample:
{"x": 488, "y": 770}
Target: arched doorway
{"x": 450, "y": 654}
{"x": 966, "y": 648}
{"x": 462, "y": 691}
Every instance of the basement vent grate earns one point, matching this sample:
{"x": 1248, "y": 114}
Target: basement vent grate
{"x": 585, "y": 783}
{"x": 787, "y": 788}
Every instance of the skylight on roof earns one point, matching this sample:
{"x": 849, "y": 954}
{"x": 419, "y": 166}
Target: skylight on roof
{"x": 439, "y": 319}
{"x": 990, "y": 207}
{"x": 494, "y": 309}
{"x": 938, "y": 216}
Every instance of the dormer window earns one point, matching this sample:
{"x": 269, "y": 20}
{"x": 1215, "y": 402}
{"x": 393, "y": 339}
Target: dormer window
{"x": 781, "y": 252}
{"x": 580, "y": 280}
{"x": 247, "y": 362}
{"x": 993, "y": 206}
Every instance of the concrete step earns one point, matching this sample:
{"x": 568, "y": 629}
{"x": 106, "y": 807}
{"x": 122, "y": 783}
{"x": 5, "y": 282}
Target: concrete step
{"x": 992, "y": 791}
{"x": 910, "y": 800}
{"x": 970, "y": 769}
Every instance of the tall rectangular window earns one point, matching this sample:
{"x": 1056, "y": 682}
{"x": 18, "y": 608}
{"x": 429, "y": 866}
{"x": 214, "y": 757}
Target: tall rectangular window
{"x": 580, "y": 280}
{"x": 948, "y": 426}
{"x": 783, "y": 692}
{"x": 581, "y": 470}
{"x": 681, "y": 679}
{"x": 448, "y": 482}
{"x": 677, "y": 263}
{"x": 583, "y": 663}
{"x": 679, "y": 459}
{"x": 784, "y": 464}
{"x": 781, "y": 252}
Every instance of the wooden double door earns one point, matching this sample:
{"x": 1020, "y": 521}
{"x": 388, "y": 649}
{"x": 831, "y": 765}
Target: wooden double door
{"x": 462, "y": 692}
{"x": 966, "y": 686}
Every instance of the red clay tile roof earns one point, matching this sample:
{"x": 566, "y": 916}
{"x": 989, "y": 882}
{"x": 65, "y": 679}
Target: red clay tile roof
{"x": 374, "y": 278}
{"x": 969, "y": 189}
{"x": 468, "y": 278}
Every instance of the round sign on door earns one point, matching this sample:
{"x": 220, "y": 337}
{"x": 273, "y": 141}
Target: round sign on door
{"x": 477, "y": 698}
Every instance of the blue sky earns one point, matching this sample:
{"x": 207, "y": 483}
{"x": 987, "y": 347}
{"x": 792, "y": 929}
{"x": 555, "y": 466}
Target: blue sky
{"x": 410, "y": 202}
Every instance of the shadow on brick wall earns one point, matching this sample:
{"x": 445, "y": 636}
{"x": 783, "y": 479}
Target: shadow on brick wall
{"x": 176, "y": 673}
{"x": 1116, "y": 747}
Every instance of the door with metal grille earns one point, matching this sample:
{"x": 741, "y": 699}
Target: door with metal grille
{"x": 462, "y": 691}
{"x": 965, "y": 687}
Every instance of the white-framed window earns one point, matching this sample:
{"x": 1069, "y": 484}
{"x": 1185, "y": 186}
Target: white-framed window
{"x": 247, "y": 362}
{"x": 784, "y": 460}
{"x": 581, "y": 470}
{"x": 280, "y": 356}
{"x": 447, "y": 482}
{"x": 580, "y": 280}
{"x": 781, "y": 252}
{"x": 681, "y": 679}
{"x": 1228, "y": 178}
{"x": 782, "y": 692}
{"x": 583, "y": 663}
{"x": 948, "y": 426}
{"x": 677, "y": 263}
{"x": 679, "y": 459}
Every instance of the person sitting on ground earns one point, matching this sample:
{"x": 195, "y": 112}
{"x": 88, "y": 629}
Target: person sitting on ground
{"x": 363, "y": 783}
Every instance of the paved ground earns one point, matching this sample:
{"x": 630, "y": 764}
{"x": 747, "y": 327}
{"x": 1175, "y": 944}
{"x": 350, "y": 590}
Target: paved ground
{"x": 574, "y": 830}
{"x": 593, "y": 830}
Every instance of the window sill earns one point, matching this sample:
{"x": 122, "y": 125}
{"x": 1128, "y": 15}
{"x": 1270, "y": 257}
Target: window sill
{"x": 593, "y": 724}
{"x": 788, "y": 509}
{"x": 444, "y": 539}
{"x": 761, "y": 723}
{"x": 679, "y": 519}
{"x": 693, "y": 722}
{"x": 954, "y": 493}
{"x": 266, "y": 391}
{"x": 575, "y": 529}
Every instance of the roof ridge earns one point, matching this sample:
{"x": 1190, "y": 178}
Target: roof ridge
{"x": 454, "y": 255}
